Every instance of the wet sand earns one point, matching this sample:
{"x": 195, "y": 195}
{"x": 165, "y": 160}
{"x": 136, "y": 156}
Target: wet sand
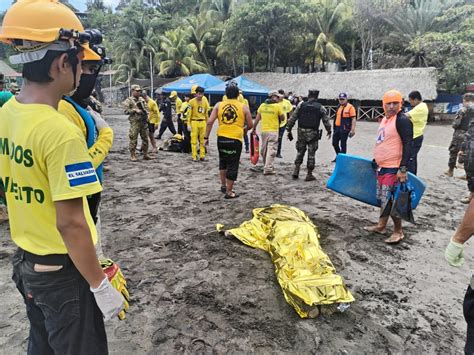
{"x": 196, "y": 291}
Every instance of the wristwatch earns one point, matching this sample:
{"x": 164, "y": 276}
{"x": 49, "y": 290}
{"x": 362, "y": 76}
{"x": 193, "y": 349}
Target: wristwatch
{"x": 403, "y": 169}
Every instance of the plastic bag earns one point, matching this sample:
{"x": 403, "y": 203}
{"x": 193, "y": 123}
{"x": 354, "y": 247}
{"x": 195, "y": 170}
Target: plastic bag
{"x": 401, "y": 207}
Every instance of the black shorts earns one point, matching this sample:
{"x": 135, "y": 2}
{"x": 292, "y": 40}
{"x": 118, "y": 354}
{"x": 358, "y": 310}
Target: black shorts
{"x": 151, "y": 127}
{"x": 229, "y": 156}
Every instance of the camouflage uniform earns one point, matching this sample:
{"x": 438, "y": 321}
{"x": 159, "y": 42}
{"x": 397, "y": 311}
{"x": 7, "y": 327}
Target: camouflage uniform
{"x": 468, "y": 148}
{"x": 460, "y": 125}
{"x": 138, "y": 123}
{"x": 307, "y": 137}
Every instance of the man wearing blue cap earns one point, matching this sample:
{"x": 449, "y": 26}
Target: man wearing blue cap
{"x": 344, "y": 124}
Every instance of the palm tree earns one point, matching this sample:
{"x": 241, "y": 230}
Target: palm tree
{"x": 330, "y": 20}
{"x": 202, "y": 37}
{"x": 219, "y": 10}
{"x": 416, "y": 19}
{"x": 177, "y": 55}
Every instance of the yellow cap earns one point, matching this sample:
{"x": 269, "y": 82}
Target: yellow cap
{"x": 193, "y": 88}
{"x": 173, "y": 94}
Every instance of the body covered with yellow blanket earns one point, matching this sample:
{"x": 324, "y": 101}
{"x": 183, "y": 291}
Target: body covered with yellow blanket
{"x": 305, "y": 273}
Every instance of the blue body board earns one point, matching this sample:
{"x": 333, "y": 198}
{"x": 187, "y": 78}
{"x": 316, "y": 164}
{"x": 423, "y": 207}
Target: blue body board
{"x": 354, "y": 177}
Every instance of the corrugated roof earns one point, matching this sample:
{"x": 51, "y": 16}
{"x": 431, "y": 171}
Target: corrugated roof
{"x": 358, "y": 84}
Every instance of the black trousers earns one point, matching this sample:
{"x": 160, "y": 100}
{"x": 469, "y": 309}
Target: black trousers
{"x": 339, "y": 140}
{"x": 468, "y": 310}
{"x": 64, "y": 317}
{"x": 415, "y": 148}
{"x": 166, "y": 123}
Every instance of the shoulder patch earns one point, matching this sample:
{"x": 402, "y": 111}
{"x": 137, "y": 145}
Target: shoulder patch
{"x": 80, "y": 174}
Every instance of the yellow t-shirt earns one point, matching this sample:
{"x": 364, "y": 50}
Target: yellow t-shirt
{"x": 231, "y": 119}
{"x": 199, "y": 110}
{"x": 178, "y": 104}
{"x": 286, "y": 107}
{"x": 99, "y": 151}
{"x": 154, "y": 112}
{"x": 270, "y": 113}
{"x": 43, "y": 159}
{"x": 419, "y": 117}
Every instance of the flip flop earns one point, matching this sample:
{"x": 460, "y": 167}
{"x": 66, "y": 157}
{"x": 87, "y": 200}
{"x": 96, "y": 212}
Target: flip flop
{"x": 388, "y": 241}
{"x": 233, "y": 195}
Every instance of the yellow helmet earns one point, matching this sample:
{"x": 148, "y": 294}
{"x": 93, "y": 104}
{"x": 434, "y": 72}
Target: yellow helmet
{"x": 178, "y": 137}
{"x": 44, "y": 21}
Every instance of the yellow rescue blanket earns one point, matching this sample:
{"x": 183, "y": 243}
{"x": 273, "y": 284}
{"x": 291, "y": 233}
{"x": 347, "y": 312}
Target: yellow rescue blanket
{"x": 305, "y": 273}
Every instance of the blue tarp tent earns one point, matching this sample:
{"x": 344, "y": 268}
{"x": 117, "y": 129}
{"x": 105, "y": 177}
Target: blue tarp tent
{"x": 249, "y": 87}
{"x": 184, "y": 85}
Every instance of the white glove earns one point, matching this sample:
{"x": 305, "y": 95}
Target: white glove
{"x": 99, "y": 121}
{"x": 108, "y": 299}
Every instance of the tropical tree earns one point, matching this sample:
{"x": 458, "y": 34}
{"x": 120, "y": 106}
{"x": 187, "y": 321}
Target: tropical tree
{"x": 330, "y": 19}
{"x": 177, "y": 55}
{"x": 202, "y": 37}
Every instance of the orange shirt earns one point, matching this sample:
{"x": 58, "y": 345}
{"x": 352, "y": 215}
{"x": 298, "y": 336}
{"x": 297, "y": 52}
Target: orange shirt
{"x": 388, "y": 147}
{"x": 346, "y": 111}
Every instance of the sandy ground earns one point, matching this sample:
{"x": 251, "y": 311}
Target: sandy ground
{"x": 195, "y": 291}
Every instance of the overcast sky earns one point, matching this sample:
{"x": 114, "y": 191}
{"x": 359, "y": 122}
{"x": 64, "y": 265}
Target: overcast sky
{"x": 78, "y": 4}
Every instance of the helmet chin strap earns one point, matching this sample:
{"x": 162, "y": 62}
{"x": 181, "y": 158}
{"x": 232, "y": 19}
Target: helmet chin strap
{"x": 72, "y": 58}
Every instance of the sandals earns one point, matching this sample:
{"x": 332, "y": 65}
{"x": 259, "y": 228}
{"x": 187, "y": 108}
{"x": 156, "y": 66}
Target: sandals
{"x": 231, "y": 195}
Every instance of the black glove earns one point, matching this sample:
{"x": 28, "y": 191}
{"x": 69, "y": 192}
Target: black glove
{"x": 290, "y": 136}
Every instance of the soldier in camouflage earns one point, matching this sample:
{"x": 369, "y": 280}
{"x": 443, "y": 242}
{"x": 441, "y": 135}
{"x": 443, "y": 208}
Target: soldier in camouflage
{"x": 309, "y": 115}
{"x": 136, "y": 108}
{"x": 460, "y": 125}
{"x": 467, "y": 150}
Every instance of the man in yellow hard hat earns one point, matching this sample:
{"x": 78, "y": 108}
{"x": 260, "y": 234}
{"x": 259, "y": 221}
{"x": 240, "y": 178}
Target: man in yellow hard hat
{"x": 55, "y": 268}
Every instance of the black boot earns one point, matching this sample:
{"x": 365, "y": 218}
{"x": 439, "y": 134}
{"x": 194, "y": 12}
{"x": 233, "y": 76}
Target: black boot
{"x": 310, "y": 176}
{"x": 296, "y": 172}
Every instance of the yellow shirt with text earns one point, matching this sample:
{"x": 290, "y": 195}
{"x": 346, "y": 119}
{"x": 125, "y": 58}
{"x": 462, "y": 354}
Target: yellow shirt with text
{"x": 43, "y": 159}
{"x": 270, "y": 113}
{"x": 199, "y": 110}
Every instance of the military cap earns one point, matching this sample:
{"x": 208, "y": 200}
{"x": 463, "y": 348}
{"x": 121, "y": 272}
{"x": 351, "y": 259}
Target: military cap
{"x": 136, "y": 87}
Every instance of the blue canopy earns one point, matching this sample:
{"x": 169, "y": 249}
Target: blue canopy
{"x": 184, "y": 85}
{"x": 249, "y": 87}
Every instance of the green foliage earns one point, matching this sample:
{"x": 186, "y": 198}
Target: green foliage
{"x": 452, "y": 49}
{"x": 229, "y": 36}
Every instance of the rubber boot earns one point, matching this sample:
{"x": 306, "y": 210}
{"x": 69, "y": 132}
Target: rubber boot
{"x": 468, "y": 198}
{"x": 296, "y": 172}
{"x": 449, "y": 172}
{"x": 310, "y": 176}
